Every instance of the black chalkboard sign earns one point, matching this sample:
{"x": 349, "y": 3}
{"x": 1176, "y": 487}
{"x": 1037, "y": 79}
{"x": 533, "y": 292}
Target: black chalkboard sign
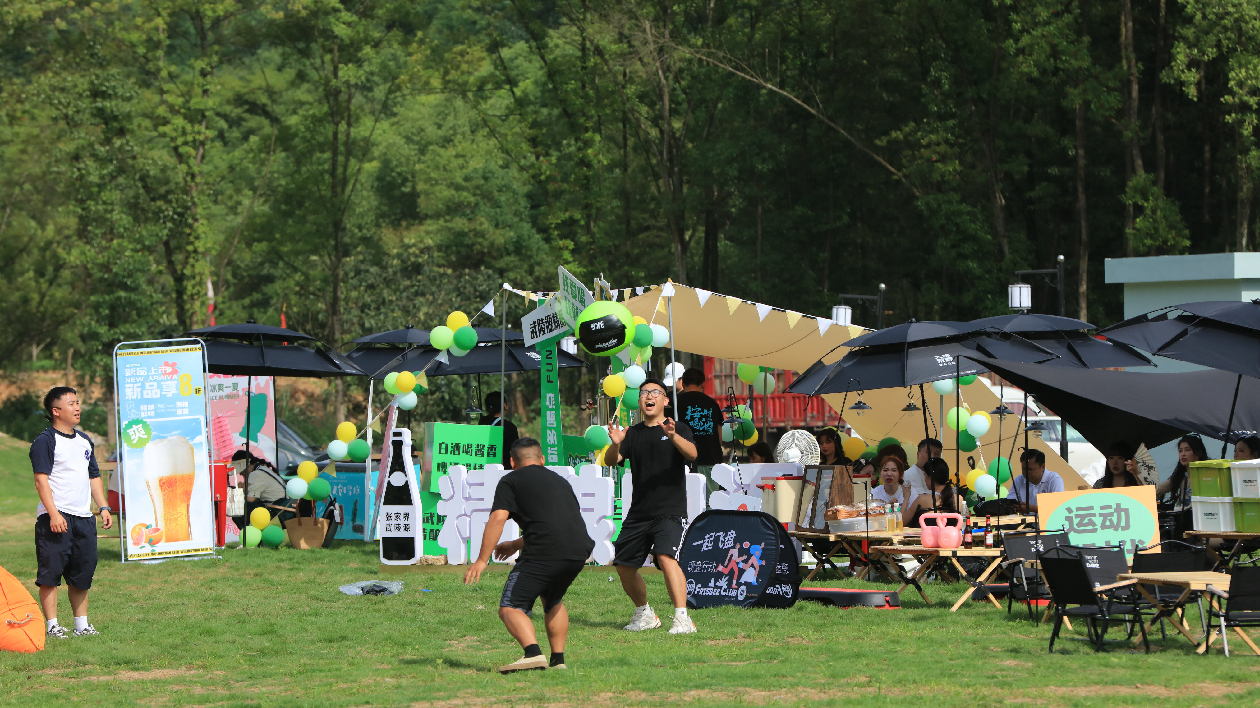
{"x": 741, "y": 558}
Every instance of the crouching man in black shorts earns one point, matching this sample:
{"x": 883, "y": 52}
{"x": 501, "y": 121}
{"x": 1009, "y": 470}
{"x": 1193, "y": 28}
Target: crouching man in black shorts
{"x": 658, "y": 450}
{"x": 554, "y": 546}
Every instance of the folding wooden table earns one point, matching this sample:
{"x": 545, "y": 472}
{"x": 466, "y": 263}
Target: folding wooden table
{"x": 929, "y": 557}
{"x": 1240, "y": 537}
{"x": 1189, "y": 582}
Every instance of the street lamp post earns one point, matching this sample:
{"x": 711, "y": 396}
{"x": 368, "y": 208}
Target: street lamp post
{"x": 843, "y": 314}
{"x": 1019, "y": 296}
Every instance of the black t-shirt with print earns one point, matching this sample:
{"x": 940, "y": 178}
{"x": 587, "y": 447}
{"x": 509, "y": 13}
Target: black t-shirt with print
{"x": 704, "y": 416}
{"x": 658, "y": 470}
{"x": 543, "y": 504}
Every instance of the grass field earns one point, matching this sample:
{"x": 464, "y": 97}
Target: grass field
{"x": 269, "y": 628}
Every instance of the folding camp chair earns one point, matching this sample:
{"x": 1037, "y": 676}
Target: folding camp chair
{"x": 1075, "y": 594}
{"x": 1242, "y": 606}
{"x": 1176, "y": 557}
{"x": 1026, "y": 584}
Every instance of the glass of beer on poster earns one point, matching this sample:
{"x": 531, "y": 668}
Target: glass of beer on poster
{"x": 169, "y": 473}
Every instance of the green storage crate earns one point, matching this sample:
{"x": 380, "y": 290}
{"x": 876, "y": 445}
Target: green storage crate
{"x": 1246, "y": 515}
{"x": 1211, "y": 478}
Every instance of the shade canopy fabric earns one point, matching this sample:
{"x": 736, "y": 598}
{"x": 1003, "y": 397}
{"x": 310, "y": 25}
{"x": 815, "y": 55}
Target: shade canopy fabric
{"x": 248, "y": 331}
{"x": 1111, "y": 406}
{"x": 1026, "y": 324}
{"x": 1220, "y": 335}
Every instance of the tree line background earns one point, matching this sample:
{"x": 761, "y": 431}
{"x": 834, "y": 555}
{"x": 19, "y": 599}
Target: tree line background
{"x": 360, "y": 165}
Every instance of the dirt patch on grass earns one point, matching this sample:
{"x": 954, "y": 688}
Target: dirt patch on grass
{"x": 1196, "y": 690}
{"x": 1012, "y": 662}
{"x": 151, "y": 675}
{"x": 741, "y": 639}
{"x": 10, "y": 523}
{"x": 464, "y": 643}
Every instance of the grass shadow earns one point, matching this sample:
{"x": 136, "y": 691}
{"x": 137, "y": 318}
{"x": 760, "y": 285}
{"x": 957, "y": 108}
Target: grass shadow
{"x": 447, "y": 662}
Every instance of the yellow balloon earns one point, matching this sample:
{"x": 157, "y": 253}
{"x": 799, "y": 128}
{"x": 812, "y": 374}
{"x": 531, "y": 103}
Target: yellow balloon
{"x": 853, "y": 448}
{"x": 307, "y": 471}
{"x": 750, "y": 440}
{"x": 972, "y": 476}
{"x": 346, "y": 431}
{"x": 405, "y": 382}
{"x": 639, "y": 320}
{"x": 614, "y": 386}
{"x": 455, "y": 320}
{"x": 259, "y": 518}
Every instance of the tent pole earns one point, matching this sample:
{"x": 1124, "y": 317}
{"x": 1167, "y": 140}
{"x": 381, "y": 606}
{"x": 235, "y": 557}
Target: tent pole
{"x": 1229, "y": 427}
{"x": 957, "y": 407}
{"x": 923, "y": 398}
{"x": 671, "y": 353}
{"x": 503, "y": 363}
{"x": 249, "y": 404}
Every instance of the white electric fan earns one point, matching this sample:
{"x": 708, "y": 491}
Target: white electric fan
{"x": 797, "y": 446}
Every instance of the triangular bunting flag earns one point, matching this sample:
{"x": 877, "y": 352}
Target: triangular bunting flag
{"x": 660, "y": 306}
{"x": 793, "y": 318}
{"x": 732, "y": 303}
{"x": 613, "y": 294}
{"x": 331, "y": 469}
{"x": 823, "y": 325}
{"x": 667, "y": 289}
{"x": 624, "y": 356}
{"x": 443, "y": 357}
{"x": 763, "y": 310}
{"x": 489, "y": 308}
{"x": 703, "y": 295}
{"x": 638, "y": 291}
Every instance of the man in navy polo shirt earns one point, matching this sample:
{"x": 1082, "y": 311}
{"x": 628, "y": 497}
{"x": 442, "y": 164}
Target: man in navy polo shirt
{"x": 66, "y": 478}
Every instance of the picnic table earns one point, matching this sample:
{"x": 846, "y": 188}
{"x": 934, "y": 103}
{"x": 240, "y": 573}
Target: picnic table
{"x": 1189, "y": 582}
{"x": 929, "y": 557}
{"x": 824, "y": 546}
{"x": 1241, "y": 538}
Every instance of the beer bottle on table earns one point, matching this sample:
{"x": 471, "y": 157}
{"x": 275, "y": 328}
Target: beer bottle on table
{"x": 398, "y": 495}
{"x": 988, "y": 532}
{"x": 967, "y": 533}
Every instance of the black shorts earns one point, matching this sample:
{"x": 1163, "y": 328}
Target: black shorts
{"x": 659, "y": 537}
{"x": 70, "y": 555}
{"x": 532, "y": 579}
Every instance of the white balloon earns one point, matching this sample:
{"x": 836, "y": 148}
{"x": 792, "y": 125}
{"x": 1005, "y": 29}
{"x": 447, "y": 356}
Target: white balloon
{"x": 977, "y": 425}
{"x": 634, "y": 376}
{"x": 660, "y": 335}
{"x": 295, "y": 488}
{"x": 764, "y": 383}
{"x": 456, "y": 350}
{"x": 986, "y": 486}
{"x": 407, "y": 401}
{"x": 338, "y": 450}
{"x": 943, "y": 387}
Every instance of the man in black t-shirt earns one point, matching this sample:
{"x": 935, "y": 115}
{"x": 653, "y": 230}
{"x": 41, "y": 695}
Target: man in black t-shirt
{"x": 554, "y": 546}
{"x": 704, "y": 416}
{"x": 659, "y": 450}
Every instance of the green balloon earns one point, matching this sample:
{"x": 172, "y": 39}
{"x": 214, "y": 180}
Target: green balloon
{"x": 605, "y": 328}
{"x": 597, "y": 436}
{"x": 419, "y": 389}
{"x": 391, "y": 383}
{"x": 887, "y": 442}
{"x": 967, "y": 380}
{"x": 630, "y": 399}
{"x": 956, "y": 418}
{"x": 359, "y": 450}
{"x": 272, "y": 536}
{"x": 743, "y": 411}
{"x": 966, "y": 441}
{"x": 1000, "y": 467}
{"x": 319, "y": 489}
{"x": 442, "y": 337}
{"x": 747, "y": 372}
{"x": 252, "y": 536}
{"x": 642, "y": 335}
{"x": 746, "y": 430}
{"x": 465, "y": 338}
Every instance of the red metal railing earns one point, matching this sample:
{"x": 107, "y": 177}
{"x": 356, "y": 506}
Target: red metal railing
{"x": 786, "y": 410}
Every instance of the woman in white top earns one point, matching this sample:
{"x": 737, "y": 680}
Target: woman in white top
{"x": 891, "y": 473}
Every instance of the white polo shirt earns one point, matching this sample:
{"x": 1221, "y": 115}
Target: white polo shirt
{"x": 1050, "y": 482}
{"x": 70, "y": 463}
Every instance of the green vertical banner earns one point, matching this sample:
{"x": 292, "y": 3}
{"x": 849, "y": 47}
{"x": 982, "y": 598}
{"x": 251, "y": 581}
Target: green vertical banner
{"x": 552, "y": 442}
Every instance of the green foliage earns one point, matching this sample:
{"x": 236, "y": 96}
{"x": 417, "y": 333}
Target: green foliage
{"x": 1159, "y": 230}
{"x": 22, "y": 416}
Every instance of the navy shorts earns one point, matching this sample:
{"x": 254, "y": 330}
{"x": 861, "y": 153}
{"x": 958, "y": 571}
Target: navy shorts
{"x": 532, "y": 579}
{"x": 70, "y": 555}
{"x": 659, "y": 537}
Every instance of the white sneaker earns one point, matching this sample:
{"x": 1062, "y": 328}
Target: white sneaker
{"x": 530, "y": 663}
{"x": 683, "y": 625}
{"x": 643, "y": 619}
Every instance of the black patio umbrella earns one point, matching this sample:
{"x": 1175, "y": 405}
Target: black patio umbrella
{"x": 1068, "y": 339}
{"x": 260, "y": 350}
{"x": 1222, "y": 335}
{"x": 1138, "y": 408}
{"x": 486, "y": 358}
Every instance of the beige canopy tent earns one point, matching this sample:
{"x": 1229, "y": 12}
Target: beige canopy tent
{"x": 711, "y": 324}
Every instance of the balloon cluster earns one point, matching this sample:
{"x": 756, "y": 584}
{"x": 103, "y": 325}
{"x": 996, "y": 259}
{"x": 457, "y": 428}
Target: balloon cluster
{"x": 261, "y": 530}
{"x": 606, "y": 328}
{"x": 759, "y": 377}
{"x": 348, "y": 445}
{"x": 406, "y": 387}
{"x": 306, "y": 484}
{"x": 456, "y": 336}
{"x": 625, "y": 385}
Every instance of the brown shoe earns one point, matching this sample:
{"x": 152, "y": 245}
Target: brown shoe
{"x": 527, "y": 663}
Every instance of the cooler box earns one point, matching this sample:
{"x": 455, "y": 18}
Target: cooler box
{"x": 785, "y": 494}
{"x": 1213, "y": 513}
{"x": 1246, "y": 515}
{"x": 1245, "y": 476}
{"x": 1211, "y": 478}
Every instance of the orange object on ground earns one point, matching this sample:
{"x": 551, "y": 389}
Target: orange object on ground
{"x": 21, "y": 621}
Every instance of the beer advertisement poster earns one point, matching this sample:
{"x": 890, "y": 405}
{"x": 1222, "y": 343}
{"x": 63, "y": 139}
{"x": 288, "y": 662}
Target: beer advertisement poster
{"x": 163, "y": 455}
